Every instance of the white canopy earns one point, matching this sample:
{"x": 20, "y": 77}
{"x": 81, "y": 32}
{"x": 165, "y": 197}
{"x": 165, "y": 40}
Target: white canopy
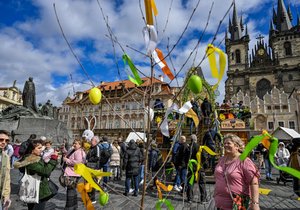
{"x": 136, "y": 135}
{"x": 283, "y": 133}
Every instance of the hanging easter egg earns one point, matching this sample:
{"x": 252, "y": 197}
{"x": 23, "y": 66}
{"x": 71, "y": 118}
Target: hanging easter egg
{"x": 195, "y": 84}
{"x": 103, "y": 198}
{"x": 95, "y": 95}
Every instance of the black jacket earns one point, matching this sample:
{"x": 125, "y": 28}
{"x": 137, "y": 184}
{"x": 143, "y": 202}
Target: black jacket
{"x": 182, "y": 156}
{"x": 132, "y": 160}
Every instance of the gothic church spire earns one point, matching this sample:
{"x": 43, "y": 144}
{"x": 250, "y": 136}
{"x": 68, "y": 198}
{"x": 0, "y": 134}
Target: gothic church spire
{"x": 282, "y": 19}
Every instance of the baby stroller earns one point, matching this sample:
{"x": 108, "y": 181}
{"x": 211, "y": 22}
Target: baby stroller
{"x": 283, "y": 176}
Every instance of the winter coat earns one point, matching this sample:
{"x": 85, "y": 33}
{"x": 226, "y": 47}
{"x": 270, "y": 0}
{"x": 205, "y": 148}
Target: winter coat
{"x": 132, "y": 160}
{"x": 194, "y": 148}
{"x": 5, "y": 176}
{"x": 282, "y": 156}
{"x": 115, "y": 157}
{"x": 93, "y": 157}
{"x": 182, "y": 156}
{"x": 35, "y": 165}
{"x": 76, "y": 157}
{"x": 154, "y": 154}
{"x": 206, "y": 108}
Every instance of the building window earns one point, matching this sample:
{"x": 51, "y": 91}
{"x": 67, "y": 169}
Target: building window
{"x": 276, "y": 107}
{"x": 270, "y": 125}
{"x": 238, "y": 56}
{"x": 262, "y": 87}
{"x": 269, "y": 107}
{"x": 288, "y": 48}
{"x": 284, "y": 107}
{"x": 281, "y": 123}
{"x": 292, "y": 125}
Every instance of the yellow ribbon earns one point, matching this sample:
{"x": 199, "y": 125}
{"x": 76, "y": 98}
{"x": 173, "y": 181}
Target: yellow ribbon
{"x": 216, "y": 73}
{"x": 198, "y": 156}
{"x": 193, "y": 115}
{"x": 83, "y": 189}
{"x": 163, "y": 187}
{"x": 88, "y": 174}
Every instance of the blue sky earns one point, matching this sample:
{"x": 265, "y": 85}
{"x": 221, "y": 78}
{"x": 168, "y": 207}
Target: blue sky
{"x": 32, "y": 44}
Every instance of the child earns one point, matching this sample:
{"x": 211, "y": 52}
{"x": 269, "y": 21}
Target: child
{"x": 48, "y": 151}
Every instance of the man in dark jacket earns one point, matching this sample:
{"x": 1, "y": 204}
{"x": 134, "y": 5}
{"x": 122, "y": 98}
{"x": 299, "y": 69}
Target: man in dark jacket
{"x": 132, "y": 160}
{"x": 93, "y": 161}
{"x": 182, "y": 159}
{"x": 206, "y": 110}
{"x": 122, "y": 155}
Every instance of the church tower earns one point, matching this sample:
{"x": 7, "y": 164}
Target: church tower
{"x": 237, "y": 46}
{"x": 284, "y": 39}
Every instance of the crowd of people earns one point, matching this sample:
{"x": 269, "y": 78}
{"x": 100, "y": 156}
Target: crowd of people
{"x": 236, "y": 180}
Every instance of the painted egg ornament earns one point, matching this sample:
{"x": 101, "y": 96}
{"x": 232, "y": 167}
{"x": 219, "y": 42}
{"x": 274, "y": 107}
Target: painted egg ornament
{"x": 95, "y": 95}
{"x": 103, "y": 198}
{"x": 195, "y": 84}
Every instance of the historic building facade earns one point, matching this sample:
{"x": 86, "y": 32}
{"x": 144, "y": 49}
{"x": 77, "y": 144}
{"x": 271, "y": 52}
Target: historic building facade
{"x": 269, "y": 74}
{"x": 123, "y": 106}
{"x": 10, "y": 96}
{"x": 276, "y": 64}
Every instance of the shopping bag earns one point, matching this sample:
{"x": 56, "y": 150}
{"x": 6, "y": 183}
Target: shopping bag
{"x": 30, "y": 188}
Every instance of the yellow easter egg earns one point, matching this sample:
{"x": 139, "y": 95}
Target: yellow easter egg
{"x": 95, "y": 95}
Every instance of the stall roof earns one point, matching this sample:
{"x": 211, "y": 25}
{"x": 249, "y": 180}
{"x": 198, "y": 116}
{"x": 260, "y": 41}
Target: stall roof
{"x": 283, "y": 133}
{"x": 135, "y": 136}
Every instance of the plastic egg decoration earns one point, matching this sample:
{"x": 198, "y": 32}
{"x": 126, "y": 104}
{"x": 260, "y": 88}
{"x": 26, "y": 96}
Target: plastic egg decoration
{"x": 95, "y": 95}
{"x": 103, "y": 198}
{"x": 195, "y": 84}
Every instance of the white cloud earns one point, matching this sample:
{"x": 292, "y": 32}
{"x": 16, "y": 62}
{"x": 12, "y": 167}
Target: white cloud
{"x": 36, "y": 48}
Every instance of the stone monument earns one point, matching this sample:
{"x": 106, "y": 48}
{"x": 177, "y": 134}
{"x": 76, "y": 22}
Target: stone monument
{"x": 22, "y": 121}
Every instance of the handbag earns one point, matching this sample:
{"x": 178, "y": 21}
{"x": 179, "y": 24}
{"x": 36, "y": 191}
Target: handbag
{"x": 30, "y": 188}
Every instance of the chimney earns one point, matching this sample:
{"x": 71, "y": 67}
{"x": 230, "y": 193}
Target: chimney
{"x": 161, "y": 78}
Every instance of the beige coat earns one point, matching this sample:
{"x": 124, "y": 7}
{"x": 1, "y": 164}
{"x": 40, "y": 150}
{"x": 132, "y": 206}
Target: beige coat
{"x": 5, "y": 176}
{"x": 115, "y": 157}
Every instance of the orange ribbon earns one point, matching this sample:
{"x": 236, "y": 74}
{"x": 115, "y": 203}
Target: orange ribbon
{"x": 83, "y": 189}
{"x": 159, "y": 59}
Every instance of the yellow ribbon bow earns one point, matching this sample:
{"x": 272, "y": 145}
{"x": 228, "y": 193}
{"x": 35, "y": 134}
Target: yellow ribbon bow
{"x": 164, "y": 187}
{"x": 216, "y": 73}
{"x": 198, "y": 156}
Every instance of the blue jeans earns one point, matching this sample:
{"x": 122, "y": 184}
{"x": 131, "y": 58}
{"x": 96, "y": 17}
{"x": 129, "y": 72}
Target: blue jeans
{"x": 268, "y": 169}
{"x": 135, "y": 183}
{"x": 142, "y": 169}
{"x": 177, "y": 178}
{"x": 105, "y": 169}
{"x": 183, "y": 174}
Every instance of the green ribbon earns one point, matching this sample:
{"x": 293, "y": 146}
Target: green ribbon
{"x": 272, "y": 151}
{"x": 136, "y": 80}
{"x": 169, "y": 170}
{"x": 166, "y": 202}
{"x": 190, "y": 165}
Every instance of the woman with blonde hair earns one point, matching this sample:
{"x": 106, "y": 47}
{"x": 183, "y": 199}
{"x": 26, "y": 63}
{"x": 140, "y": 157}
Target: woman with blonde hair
{"x": 235, "y": 179}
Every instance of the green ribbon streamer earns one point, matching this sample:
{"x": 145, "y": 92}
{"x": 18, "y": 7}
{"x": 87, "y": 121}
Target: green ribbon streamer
{"x": 169, "y": 170}
{"x": 136, "y": 80}
{"x": 190, "y": 165}
{"x": 166, "y": 202}
{"x": 272, "y": 151}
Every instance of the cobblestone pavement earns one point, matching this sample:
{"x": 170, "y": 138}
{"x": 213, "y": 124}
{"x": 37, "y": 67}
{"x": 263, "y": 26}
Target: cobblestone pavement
{"x": 282, "y": 198}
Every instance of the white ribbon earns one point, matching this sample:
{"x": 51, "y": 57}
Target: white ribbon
{"x": 164, "y": 127}
{"x": 150, "y": 37}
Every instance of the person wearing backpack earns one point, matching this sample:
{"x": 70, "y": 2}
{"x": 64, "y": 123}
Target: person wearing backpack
{"x": 93, "y": 161}
{"x": 105, "y": 154}
{"x": 155, "y": 161}
{"x": 133, "y": 158}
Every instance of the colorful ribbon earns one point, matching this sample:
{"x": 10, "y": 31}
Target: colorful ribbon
{"x": 159, "y": 59}
{"x": 136, "y": 80}
{"x": 88, "y": 174}
{"x": 193, "y": 115}
{"x": 190, "y": 165}
{"x": 83, "y": 189}
{"x": 150, "y": 38}
{"x": 162, "y": 201}
{"x": 216, "y": 73}
{"x": 198, "y": 156}
{"x": 150, "y": 7}
{"x": 272, "y": 151}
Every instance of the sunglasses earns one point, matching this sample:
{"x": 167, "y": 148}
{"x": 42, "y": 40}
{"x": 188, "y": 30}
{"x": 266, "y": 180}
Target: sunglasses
{"x": 4, "y": 140}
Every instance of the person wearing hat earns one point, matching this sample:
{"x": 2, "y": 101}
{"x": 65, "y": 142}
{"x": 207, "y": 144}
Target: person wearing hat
{"x": 282, "y": 157}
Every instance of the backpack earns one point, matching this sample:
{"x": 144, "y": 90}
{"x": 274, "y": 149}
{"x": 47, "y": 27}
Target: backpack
{"x": 105, "y": 154}
{"x": 24, "y": 147}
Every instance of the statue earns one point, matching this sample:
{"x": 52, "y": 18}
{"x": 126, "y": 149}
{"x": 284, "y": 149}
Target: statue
{"x": 47, "y": 109}
{"x": 28, "y": 95}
